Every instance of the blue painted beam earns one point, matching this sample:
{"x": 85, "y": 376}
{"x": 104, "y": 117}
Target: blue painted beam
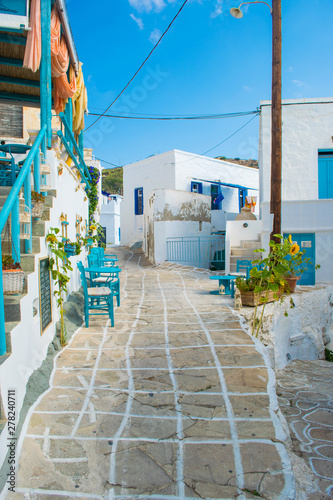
{"x": 72, "y": 155}
{"x": 81, "y": 142}
{"x": 45, "y": 72}
{"x": 69, "y": 119}
{"x": 7, "y": 61}
{"x": 19, "y": 97}
{"x": 37, "y": 173}
{"x": 73, "y": 141}
{"x": 27, "y": 196}
{"x": 19, "y": 81}
{"x": 3, "y": 348}
{"x": 16, "y": 40}
{"x": 15, "y": 228}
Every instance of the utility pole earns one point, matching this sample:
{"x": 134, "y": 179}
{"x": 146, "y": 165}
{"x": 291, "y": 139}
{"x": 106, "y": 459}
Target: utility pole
{"x": 276, "y": 131}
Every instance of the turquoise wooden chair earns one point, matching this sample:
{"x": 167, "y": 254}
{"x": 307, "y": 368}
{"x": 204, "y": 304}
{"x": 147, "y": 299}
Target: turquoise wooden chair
{"x": 96, "y": 299}
{"x": 106, "y": 276}
{"x": 105, "y": 260}
{"x": 244, "y": 265}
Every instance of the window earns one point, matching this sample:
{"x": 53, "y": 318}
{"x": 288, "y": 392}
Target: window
{"x": 325, "y": 174}
{"x": 216, "y": 197}
{"x": 196, "y": 187}
{"x": 11, "y": 120}
{"x": 138, "y": 201}
{"x": 242, "y": 196}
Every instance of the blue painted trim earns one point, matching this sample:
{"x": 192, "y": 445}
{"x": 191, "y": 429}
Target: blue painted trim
{"x": 20, "y": 97}
{"x": 74, "y": 143}
{"x": 81, "y": 142}
{"x": 16, "y": 40}
{"x": 69, "y": 119}
{"x": 73, "y": 157}
{"x": 19, "y": 81}
{"x": 136, "y": 201}
{"x": 15, "y": 191}
{"x": 37, "y": 173}
{"x": 45, "y": 72}
{"x": 7, "y": 61}
{"x": 27, "y": 196}
{"x": 3, "y": 348}
{"x": 15, "y": 228}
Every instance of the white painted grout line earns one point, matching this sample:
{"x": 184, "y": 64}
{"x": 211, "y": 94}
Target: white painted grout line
{"x": 91, "y": 387}
{"x": 279, "y": 422}
{"x": 224, "y": 390}
{"x": 180, "y": 434}
{"x": 117, "y": 436}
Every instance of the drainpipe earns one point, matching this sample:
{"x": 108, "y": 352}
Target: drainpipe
{"x": 62, "y": 10}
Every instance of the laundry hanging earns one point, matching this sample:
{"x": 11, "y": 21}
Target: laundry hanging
{"x": 33, "y": 48}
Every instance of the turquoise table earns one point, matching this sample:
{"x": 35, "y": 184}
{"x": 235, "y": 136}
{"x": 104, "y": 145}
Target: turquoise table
{"x": 228, "y": 282}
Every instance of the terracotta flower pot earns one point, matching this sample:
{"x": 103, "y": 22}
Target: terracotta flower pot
{"x": 292, "y": 282}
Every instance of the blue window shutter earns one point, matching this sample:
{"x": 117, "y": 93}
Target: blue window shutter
{"x": 200, "y": 187}
{"x": 196, "y": 187}
{"x": 136, "y": 201}
{"x": 325, "y": 178}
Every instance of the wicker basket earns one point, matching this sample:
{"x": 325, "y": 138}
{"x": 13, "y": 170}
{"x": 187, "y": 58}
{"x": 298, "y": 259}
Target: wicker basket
{"x": 37, "y": 209}
{"x": 13, "y": 281}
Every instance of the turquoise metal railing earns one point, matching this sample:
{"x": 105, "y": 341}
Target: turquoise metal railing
{"x": 70, "y": 144}
{"x": 198, "y": 251}
{"x": 12, "y": 207}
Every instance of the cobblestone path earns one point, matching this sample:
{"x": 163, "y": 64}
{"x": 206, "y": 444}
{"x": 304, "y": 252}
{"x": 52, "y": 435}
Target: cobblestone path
{"x": 176, "y": 401}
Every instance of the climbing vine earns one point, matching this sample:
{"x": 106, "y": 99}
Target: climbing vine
{"x": 92, "y": 192}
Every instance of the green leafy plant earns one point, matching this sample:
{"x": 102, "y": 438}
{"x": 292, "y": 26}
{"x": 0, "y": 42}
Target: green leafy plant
{"x": 8, "y": 263}
{"x": 59, "y": 266}
{"x": 96, "y": 233}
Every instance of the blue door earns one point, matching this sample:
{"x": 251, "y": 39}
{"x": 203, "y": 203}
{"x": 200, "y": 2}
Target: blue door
{"x": 307, "y": 242}
{"x": 325, "y": 175}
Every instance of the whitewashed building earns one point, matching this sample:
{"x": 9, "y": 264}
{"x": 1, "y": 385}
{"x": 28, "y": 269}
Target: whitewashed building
{"x": 307, "y": 179}
{"x": 110, "y": 217}
{"x": 187, "y": 194}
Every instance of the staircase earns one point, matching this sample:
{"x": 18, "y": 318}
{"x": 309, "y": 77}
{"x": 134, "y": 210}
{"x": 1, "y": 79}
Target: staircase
{"x": 244, "y": 252}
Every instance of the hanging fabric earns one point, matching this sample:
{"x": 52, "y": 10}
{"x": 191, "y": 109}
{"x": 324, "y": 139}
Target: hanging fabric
{"x": 55, "y": 32}
{"x": 80, "y": 102}
{"x": 33, "y": 48}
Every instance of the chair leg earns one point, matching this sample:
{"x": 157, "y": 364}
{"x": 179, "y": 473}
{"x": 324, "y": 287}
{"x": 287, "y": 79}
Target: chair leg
{"x": 111, "y": 312}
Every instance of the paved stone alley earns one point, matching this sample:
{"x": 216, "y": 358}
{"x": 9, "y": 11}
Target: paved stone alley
{"x": 176, "y": 401}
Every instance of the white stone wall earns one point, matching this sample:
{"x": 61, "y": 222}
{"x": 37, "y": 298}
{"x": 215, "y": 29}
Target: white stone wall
{"x": 306, "y": 128}
{"x": 29, "y": 347}
{"x": 110, "y": 218}
{"x": 173, "y": 213}
{"x": 175, "y": 170}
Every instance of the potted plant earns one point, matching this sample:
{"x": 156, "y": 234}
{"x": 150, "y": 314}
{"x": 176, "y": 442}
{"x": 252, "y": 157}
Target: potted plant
{"x": 12, "y": 275}
{"x": 71, "y": 248}
{"x": 60, "y": 267}
{"x": 37, "y": 204}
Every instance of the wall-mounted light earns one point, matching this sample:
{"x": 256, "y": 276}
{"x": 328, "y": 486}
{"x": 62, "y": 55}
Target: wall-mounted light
{"x": 245, "y": 224}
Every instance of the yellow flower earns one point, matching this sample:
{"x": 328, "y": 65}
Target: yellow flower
{"x": 93, "y": 227}
{"x": 290, "y": 240}
{"x": 294, "y": 249}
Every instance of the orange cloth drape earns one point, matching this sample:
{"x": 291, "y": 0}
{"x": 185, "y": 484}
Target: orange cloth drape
{"x": 55, "y": 32}
{"x": 33, "y": 47}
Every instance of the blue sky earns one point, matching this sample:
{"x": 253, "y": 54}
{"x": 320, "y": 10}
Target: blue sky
{"x": 207, "y": 63}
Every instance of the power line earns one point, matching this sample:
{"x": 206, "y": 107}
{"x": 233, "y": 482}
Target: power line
{"x": 229, "y": 137}
{"x": 201, "y": 154}
{"x": 113, "y": 164}
{"x": 190, "y": 117}
{"x": 144, "y": 62}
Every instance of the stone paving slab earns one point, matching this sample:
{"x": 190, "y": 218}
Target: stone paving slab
{"x": 175, "y": 402}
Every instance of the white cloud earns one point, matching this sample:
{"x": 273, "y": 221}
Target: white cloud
{"x": 147, "y": 5}
{"x": 248, "y": 89}
{"x": 155, "y": 36}
{"x": 138, "y": 21}
{"x": 218, "y": 9}
{"x": 298, "y": 83}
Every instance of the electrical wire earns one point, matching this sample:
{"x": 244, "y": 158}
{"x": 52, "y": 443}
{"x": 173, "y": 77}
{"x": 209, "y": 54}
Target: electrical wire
{"x": 191, "y": 117}
{"x": 229, "y": 137}
{"x": 144, "y": 62}
{"x": 109, "y": 163}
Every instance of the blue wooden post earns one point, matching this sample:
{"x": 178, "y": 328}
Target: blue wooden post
{"x": 69, "y": 118}
{"x": 27, "y": 195}
{"x": 37, "y": 172}
{"x": 45, "y": 73}
{"x": 81, "y": 142}
{"x": 15, "y": 227}
{"x": 3, "y": 349}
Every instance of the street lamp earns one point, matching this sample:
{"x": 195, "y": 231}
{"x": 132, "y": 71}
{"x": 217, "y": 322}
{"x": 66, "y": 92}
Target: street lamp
{"x": 276, "y": 137}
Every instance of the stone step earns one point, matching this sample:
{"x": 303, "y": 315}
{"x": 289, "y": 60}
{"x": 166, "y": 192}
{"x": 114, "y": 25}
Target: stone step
{"x": 7, "y": 246}
{"x": 28, "y": 262}
{"x": 244, "y": 252}
{"x": 12, "y": 309}
{"x": 251, "y": 244}
{"x": 38, "y": 228}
